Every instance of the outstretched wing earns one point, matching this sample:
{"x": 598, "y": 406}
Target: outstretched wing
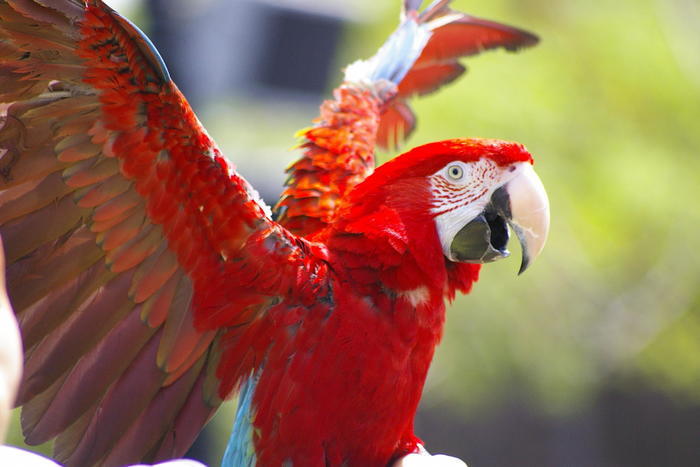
{"x": 371, "y": 107}
{"x": 131, "y": 244}
{"x": 338, "y": 153}
{"x": 455, "y": 35}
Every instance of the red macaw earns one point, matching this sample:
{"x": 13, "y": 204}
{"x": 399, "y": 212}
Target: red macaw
{"x": 151, "y": 282}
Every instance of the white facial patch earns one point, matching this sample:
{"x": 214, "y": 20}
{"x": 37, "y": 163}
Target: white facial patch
{"x": 461, "y": 191}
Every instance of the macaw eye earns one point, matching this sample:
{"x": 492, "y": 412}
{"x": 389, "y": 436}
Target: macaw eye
{"x": 455, "y": 172}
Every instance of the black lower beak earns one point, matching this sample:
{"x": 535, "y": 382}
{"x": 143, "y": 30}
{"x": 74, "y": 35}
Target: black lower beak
{"x": 485, "y": 238}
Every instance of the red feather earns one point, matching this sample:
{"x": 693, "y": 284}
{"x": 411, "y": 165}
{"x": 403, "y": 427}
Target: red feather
{"x": 468, "y": 35}
{"x": 438, "y": 64}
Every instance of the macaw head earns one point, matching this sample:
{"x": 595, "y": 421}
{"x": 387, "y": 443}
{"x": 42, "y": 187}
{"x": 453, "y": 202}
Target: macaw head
{"x": 475, "y": 197}
{"x": 463, "y": 195}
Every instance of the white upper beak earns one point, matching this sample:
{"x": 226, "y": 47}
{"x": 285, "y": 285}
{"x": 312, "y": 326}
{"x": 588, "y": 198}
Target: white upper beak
{"x": 529, "y": 213}
{"x": 520, "y": 203}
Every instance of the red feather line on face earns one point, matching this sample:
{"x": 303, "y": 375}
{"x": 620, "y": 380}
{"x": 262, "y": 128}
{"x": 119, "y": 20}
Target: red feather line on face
{"x": 450, "y": 201}
{"x": 449, "y": 196}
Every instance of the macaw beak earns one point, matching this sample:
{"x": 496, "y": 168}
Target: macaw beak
{"x": 521, "y": 204}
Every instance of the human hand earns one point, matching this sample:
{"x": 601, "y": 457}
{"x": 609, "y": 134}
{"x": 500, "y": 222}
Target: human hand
{"x": 10, "y": 354}
{"x": 423, "y": 458}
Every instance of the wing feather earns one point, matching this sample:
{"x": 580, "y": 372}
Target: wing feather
{"x": 23, "y": 236}
{"x": 120, "y": 406}
{"x": 103, "y": 192}
{"x": 131, "y": 243}
{"x": 68, "y": 440}
{"x": 153, "y": 274}
{"x": 194, "y": 413}
{"x": 455, "y": 35}
{"x": 29, "y": 197}
{"x": 83, "y": 330}
{"x": 44, "y": 273}
{"x": 94, "y": 374}
{"x": 157, "y": 418}
{"x": 155, "y": 309}
{"x": 42, "y": 317}
{"x": 34, "y": 411}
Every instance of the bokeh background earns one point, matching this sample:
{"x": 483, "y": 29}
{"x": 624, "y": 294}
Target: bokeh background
{"x": 592, "y": 358}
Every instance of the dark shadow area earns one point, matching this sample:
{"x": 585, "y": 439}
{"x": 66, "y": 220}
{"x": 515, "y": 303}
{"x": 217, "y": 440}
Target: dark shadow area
{"x": 630, "y": 425}
{"x": 245, "y": 47}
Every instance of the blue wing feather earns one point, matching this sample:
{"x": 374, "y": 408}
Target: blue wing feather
{"x": 240, "y": 451}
